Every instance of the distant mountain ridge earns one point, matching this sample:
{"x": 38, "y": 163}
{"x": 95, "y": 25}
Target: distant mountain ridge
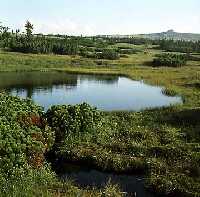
{"x": 171, "y": 34}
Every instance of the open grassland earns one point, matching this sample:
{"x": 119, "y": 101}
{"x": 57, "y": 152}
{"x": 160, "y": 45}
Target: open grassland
{"x": 163, "y": 143}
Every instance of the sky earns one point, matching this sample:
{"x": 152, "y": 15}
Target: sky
{"x": 94, "y": 17}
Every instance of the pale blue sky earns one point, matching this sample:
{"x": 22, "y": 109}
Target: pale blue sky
{"x": 102, "y": 16}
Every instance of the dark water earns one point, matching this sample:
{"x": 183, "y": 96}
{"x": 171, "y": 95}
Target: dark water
{"x": 103, "y": 91}
{"x": 85, "y": 177}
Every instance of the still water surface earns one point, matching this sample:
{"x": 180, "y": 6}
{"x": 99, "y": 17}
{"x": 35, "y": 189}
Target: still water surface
{"x": 85, "y": 177}
{"x": 105, "y": 92}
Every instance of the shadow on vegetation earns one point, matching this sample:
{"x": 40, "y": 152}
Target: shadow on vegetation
{"x": 187, "y": 117}
{"x": 195, "y": 84}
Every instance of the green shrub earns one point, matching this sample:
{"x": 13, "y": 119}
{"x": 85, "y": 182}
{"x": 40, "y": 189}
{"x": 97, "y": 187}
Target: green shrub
{"x": 33, "y": 182}
{"x": 109, "y": 54}
{"x": 169, "y": 92}
{"x": 24, "y": 134}
{"x": 171, "y": 60}
{"x": 72, "y": 120}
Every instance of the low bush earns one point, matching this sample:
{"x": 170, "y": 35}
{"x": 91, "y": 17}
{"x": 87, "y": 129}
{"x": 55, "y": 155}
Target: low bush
{"x": 68, "y": 120}
{"x": 24, "y": 135}
{"x": 109, "y": 54}
{"x": 171, "y": 60}
{"x": 33, "y": 182}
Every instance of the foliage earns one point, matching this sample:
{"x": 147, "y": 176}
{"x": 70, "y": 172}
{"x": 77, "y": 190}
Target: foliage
{"x": 25, "y": 136}
{"x": 92, "y": 42}
{"x": 139, "y": 142}
{"x": 29, "y": 30}
{"x": 4, "y": 36}
{"x": 171, "y": 60}
{"x": 43, "y": 182}
{"x": 179, "y": 46}
{"x": 24, "y": 139}
{"x": 68, "y": 121}
{"x": 37, "y": 43}
{"x": 109, "y": 54}
{"x": 99, "y": 53}
{"x": 130, "y": 40}
{"x": 42, "y": 44}
{"x": 33, "y": 182}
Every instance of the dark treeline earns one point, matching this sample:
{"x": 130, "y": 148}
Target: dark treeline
{"x": 170, "y": 59}
{"x": 45, "y": 45}
{"x": 129, "y": 40}
{"x": 164, "y": 44}
{"x": 29, "y": 43}
{"x": 57, "y": 44}
{"x": 179, "y": 46}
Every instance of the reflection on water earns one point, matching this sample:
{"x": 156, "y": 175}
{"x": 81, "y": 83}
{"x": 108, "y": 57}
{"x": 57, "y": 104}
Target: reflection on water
{"x": 85, "y": 177}
{"x": 103, "y": 91}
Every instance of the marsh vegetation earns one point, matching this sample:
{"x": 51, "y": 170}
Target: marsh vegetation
{"x": 160, "y": 144}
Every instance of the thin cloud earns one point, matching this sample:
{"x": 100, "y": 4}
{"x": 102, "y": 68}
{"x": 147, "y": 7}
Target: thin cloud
{"x": 58, "y": 26}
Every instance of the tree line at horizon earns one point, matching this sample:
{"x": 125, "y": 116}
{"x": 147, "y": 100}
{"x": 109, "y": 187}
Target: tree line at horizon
{"x": 179, "y": 46}
{"x": 29, "y": 43}
{"x": 77, "y": 45}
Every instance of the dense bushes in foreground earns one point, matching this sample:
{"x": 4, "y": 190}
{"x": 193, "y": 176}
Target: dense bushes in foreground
{"x": 25, "y": 138}
{"x": 131, "y": 142}
{"x": 69, "y": 121}
{"x": 171, "y": 60}
{"x": 25, "y": 135}
{"x": 122, "y": 142}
